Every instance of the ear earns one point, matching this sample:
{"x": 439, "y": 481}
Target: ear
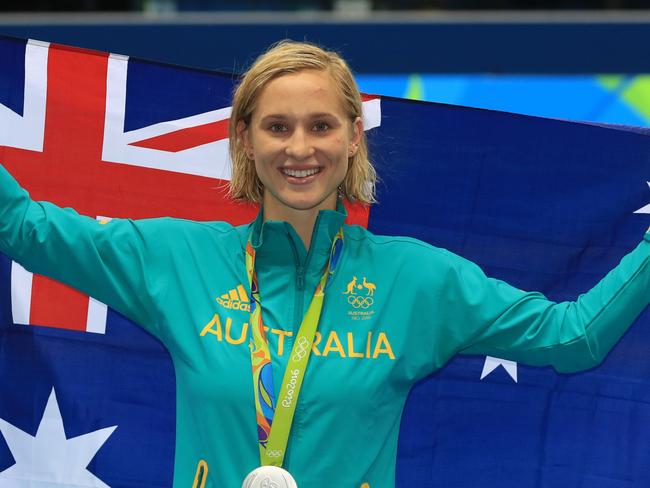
{"x": 243, "y": 138}
{"x": 357, "y": 133}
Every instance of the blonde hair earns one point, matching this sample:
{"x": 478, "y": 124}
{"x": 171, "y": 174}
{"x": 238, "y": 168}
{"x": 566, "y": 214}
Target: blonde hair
{"x": 291, "y": 57}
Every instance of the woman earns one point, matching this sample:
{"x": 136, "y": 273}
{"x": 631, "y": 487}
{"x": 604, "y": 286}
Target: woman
{"x": 395, "y": 309}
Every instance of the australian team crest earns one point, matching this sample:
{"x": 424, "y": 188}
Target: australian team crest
{"x": 360, "y": 297}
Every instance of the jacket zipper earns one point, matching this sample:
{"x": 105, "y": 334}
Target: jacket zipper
{"x": 298, "y": 312}
{"x": 300, "y": 278}
{"x": 300, "y": 285}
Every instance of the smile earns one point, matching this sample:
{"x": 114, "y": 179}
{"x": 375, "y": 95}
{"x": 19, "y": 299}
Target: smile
{"x": 300, "y": 173}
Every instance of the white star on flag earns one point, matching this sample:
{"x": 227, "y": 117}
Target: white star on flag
{"x": 646, "y": 209}
{"x": 49, "y": 459}
{"x": 493, "y": 363}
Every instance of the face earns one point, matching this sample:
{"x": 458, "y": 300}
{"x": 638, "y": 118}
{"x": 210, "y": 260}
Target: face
{"x": 300, "y": 139}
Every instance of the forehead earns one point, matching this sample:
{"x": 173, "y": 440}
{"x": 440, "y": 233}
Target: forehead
{"x": 304, "y": 91}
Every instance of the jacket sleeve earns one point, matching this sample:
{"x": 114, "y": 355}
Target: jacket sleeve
{"x": 528, "y": 328}
{"x": 114, "y": 262}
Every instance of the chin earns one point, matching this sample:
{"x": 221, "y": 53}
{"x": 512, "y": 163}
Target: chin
{"x": 304, "y": 202}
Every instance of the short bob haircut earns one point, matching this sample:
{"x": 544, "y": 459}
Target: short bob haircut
{"x": 292, "y": 57}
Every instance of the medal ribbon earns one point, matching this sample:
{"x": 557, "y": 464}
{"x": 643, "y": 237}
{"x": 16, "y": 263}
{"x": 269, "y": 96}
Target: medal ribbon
{"x": 273, "y": 441}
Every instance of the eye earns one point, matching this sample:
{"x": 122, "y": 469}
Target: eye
{"x": 277, "y": 127}
{"x": 320, "y": 127}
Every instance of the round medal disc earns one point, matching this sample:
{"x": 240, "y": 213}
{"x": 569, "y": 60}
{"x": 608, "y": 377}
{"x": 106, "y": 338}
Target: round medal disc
{"x": 269, "y": 477}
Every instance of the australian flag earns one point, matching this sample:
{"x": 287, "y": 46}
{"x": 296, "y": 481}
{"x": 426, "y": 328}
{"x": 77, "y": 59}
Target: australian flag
{"x": 87, "y": 398}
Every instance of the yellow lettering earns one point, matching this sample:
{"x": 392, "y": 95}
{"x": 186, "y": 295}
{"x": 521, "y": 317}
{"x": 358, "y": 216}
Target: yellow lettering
{"x": 333, "y": 337}
{"x": 351, "y": 352}
{"x": 317, "y": 339}
{"x": 215, "y": 322}
{"x": 201, "y": 474}
{"x": 281, "y": 335}
{"x": 332, "y": 345}
{"x": 382, "y": 339}
{"x": 241, "y": 339}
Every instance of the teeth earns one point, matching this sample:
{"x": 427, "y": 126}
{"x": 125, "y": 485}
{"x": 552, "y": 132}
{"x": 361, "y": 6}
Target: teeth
{"x": 300, "y": 173}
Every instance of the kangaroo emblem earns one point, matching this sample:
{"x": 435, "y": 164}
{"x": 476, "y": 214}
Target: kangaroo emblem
{"x": 351, "y": 286}
{"x": 371, "y": 287}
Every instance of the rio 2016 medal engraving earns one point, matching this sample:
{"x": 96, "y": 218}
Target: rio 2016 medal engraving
{"x": 269, "y": 477}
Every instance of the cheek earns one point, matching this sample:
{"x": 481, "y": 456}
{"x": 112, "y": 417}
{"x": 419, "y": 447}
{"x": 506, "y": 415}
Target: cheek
{"x": 260, "y": 169}
{"x": 265, "y": 168}
{"x": 267, "y": 147}
{"x": 336, "y": 147}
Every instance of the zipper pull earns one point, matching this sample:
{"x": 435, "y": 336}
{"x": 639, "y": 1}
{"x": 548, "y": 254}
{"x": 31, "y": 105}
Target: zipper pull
{"x": 300, "y": 278}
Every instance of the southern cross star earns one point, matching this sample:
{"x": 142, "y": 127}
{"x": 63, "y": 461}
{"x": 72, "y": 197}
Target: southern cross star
{"x": 492, "y": 363}
{"x": 646, "y": 209}
{"x": 48, "y": 459}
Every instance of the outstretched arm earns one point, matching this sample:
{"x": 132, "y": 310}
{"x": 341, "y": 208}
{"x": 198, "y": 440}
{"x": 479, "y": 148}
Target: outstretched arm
{"x": 570, "y": 336}
{"x": 114, "y": 262}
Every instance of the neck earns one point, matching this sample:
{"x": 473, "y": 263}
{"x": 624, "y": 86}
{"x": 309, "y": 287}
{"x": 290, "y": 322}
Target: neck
{"x": 302, "y": 220}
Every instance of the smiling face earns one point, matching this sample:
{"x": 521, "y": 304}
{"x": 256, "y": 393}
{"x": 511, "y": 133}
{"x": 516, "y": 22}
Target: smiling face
{"x": 300, "y": 138}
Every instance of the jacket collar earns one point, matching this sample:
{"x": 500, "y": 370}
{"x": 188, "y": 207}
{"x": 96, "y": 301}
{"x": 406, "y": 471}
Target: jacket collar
{"x": 277, "y": 238}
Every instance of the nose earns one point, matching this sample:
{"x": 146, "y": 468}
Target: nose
{"x": 299, "y": 145}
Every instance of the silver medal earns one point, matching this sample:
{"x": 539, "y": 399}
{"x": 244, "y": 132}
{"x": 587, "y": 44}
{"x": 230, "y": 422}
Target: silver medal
{"x": 269, "y": 477}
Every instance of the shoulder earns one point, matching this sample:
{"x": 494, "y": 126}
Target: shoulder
{"x": 174, "y": 232}
{"x": 405, "y": 265}
{"x": 399, "y": 247}
{"x": 410, "y": 262}
{"x": 183, "y": 226}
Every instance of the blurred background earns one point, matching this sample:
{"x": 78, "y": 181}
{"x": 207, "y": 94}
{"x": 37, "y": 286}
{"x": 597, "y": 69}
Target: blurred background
{"x": 321, "y": 5}
{"x": 573, "y": 59}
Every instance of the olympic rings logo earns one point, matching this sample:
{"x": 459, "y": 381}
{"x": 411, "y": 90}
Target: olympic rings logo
{"x": 301, "y": 348}
{"x": 360, "y": 302}
{"x": 274, "y": 453}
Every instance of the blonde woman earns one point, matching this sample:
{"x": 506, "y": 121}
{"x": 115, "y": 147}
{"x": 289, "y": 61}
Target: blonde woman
{"x": 329, "y": 325}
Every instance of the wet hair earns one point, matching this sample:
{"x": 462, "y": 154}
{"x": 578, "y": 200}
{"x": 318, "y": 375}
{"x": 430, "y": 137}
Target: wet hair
{"x": 292, "y": 57}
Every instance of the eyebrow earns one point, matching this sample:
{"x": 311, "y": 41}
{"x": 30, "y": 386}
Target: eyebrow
{"x": 312, "y": 116}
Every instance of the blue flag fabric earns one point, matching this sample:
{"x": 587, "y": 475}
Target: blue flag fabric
{"x": 546, "y": 205}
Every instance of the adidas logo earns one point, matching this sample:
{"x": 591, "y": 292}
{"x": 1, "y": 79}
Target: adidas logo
{"x": 235, "y": 299}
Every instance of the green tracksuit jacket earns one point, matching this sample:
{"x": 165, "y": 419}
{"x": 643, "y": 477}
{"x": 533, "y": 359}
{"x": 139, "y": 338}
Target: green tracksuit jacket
{"x": 396, "y": 310}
